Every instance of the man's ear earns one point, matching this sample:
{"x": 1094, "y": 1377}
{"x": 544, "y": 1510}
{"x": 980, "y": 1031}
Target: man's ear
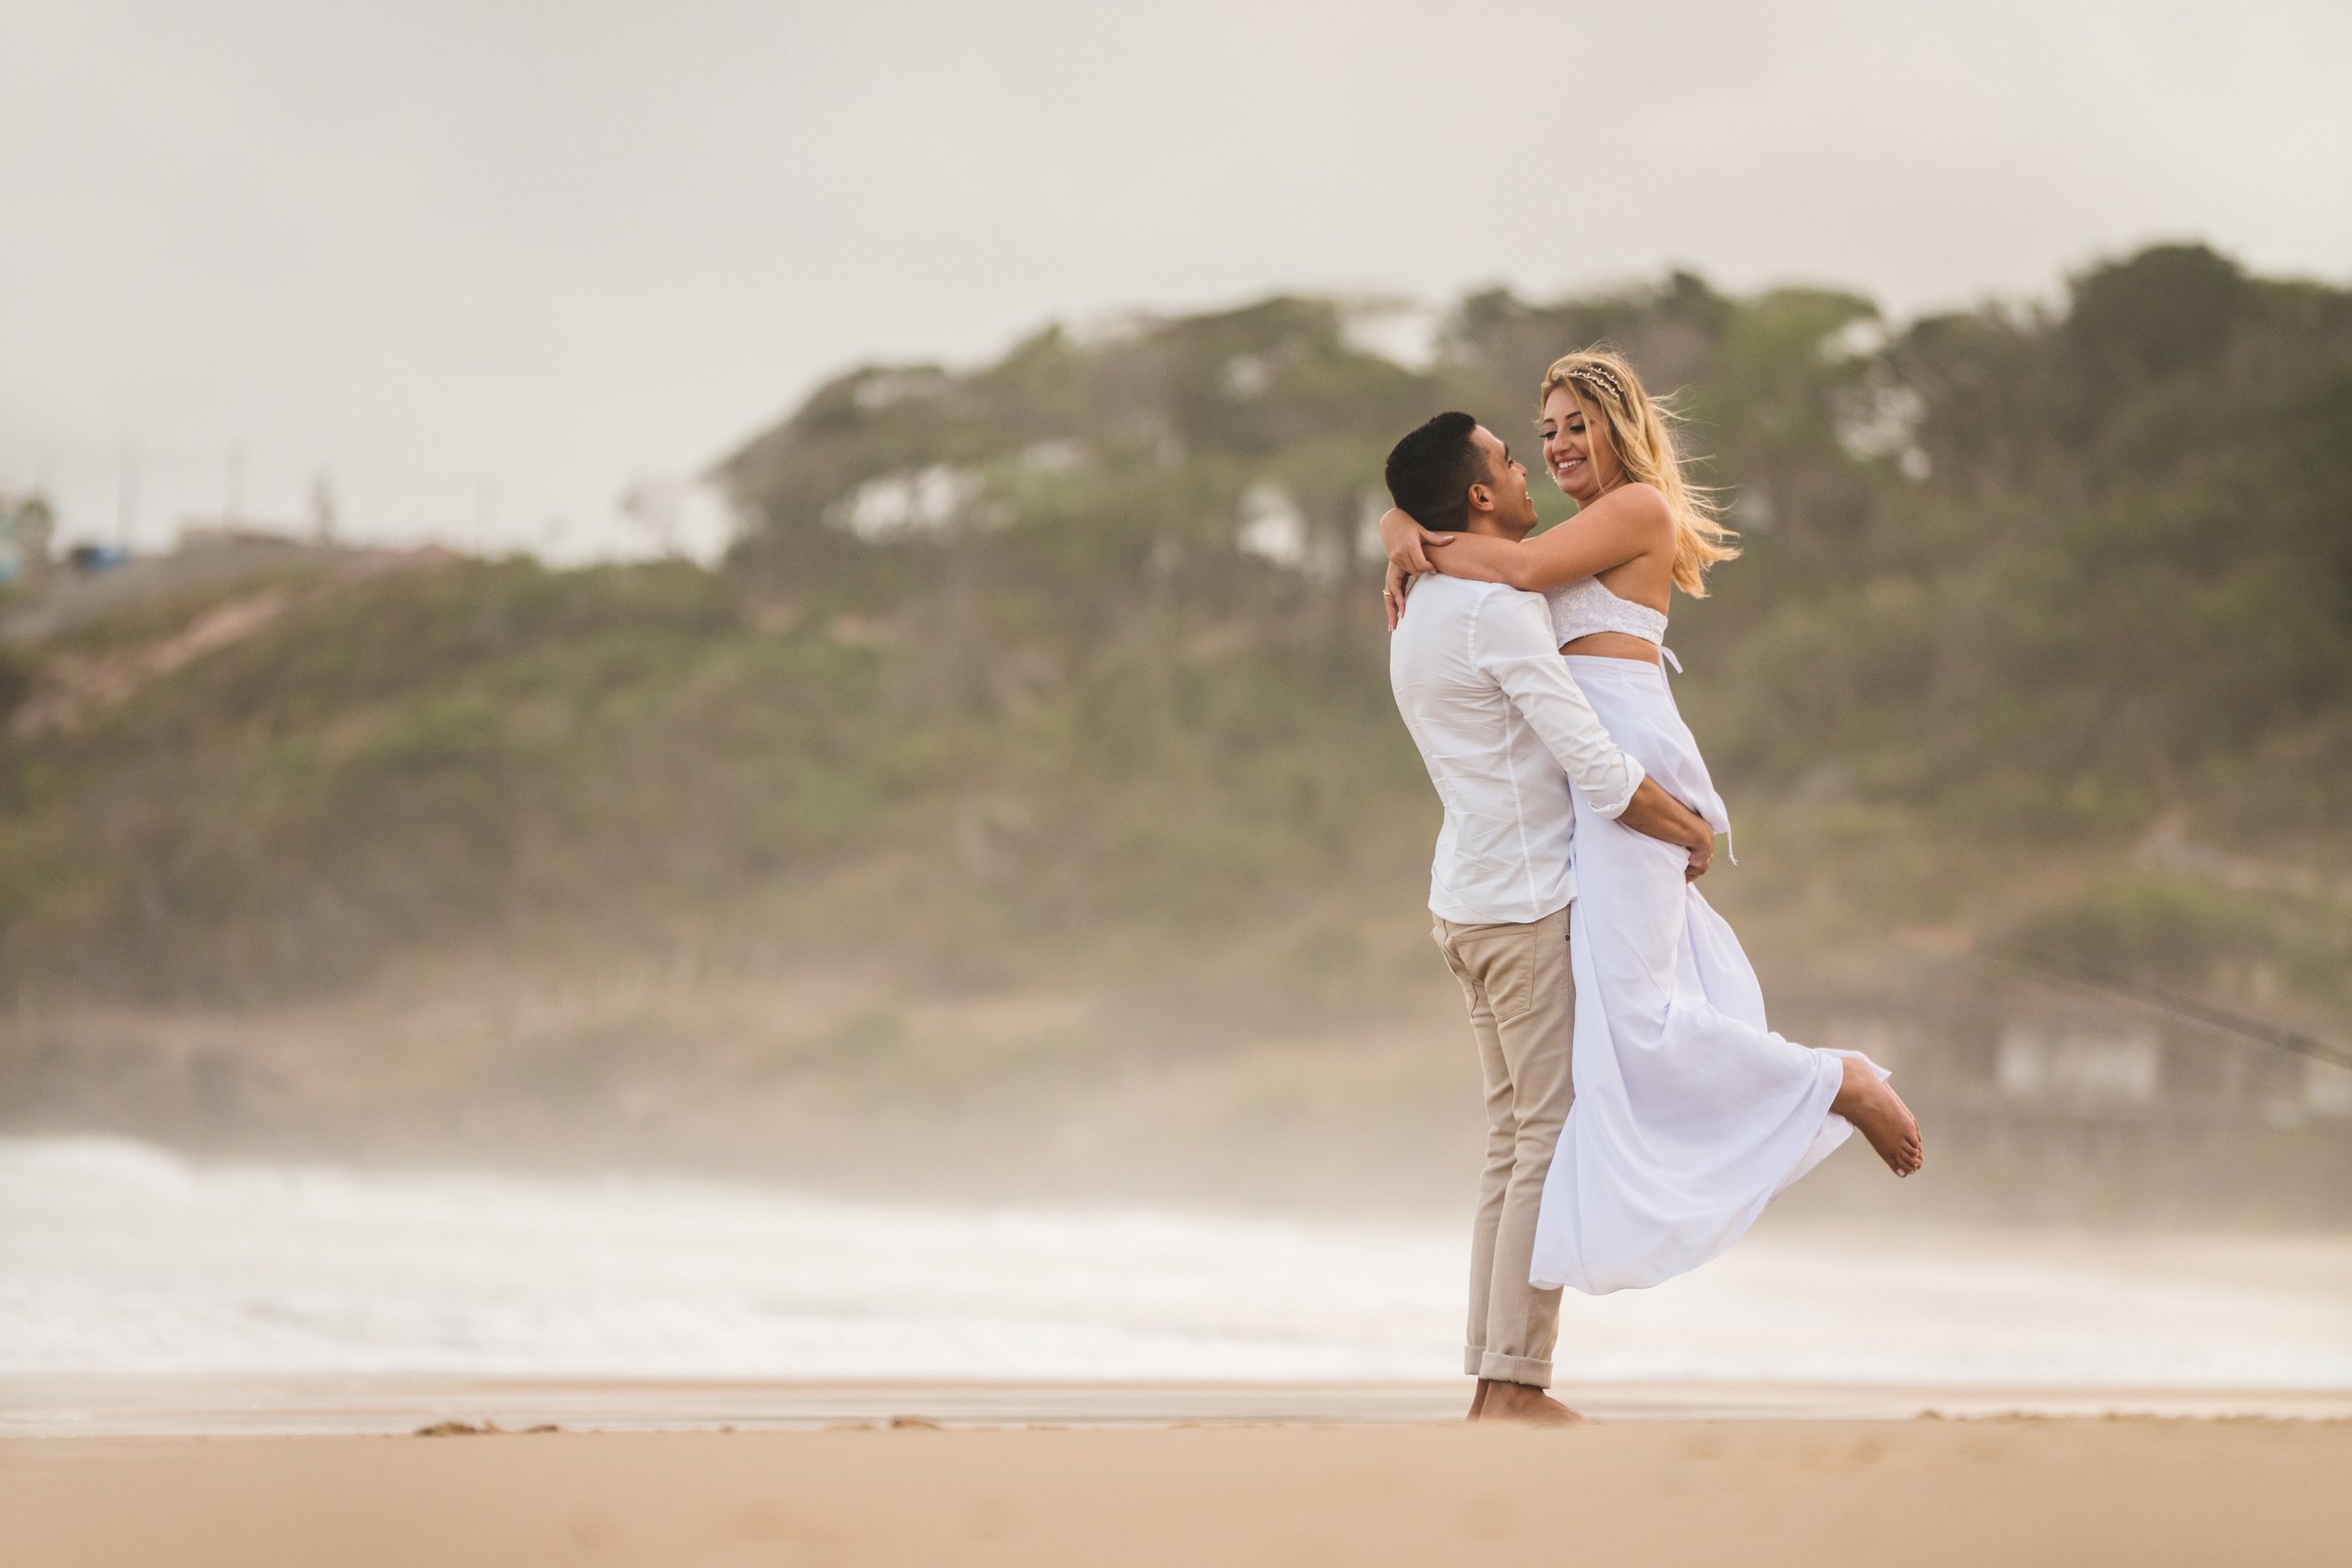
{"x": 1480, "y": 498}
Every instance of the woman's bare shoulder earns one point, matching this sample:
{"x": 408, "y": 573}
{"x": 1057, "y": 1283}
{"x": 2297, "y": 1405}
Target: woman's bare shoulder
{"x": 1642, "y": 509}
{"x": 1645, "y": 501}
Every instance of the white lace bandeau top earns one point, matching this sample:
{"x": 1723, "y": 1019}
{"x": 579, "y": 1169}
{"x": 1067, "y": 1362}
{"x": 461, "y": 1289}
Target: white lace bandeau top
{"x": 1585, "y": 606}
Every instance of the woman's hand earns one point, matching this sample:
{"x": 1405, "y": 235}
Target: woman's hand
{"x": 1406, "y": 542}
{"x": 1392, "y": 593}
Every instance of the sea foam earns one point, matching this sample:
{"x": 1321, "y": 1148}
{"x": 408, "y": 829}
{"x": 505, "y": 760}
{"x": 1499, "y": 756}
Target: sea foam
{"x": 118, "y": 1257}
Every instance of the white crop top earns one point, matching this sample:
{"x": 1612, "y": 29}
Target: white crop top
{"x": 1587, "y": 605}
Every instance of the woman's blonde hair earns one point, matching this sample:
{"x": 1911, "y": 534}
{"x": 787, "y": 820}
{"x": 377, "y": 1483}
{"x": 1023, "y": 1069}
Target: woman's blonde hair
{"x": 1642, "y": 434}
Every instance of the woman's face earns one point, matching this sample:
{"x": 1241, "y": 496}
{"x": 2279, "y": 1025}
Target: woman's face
{"x": 1576, "y": 446}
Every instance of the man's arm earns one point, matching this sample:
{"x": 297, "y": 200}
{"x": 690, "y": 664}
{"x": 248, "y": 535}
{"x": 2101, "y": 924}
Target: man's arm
{"x": 1512, "y": 640}
{"x": 1654, "y": 812}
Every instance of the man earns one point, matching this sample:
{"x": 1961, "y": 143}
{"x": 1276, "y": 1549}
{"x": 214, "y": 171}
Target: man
{"x": 1505, "y": 734}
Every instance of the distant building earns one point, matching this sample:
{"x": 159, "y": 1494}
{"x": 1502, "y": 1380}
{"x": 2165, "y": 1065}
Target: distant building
{"x": 2085, "y": 1065}
{"x": 2021, "y": 1055}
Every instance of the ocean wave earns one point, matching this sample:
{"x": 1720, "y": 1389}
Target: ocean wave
{"x": 118, "y": 1257}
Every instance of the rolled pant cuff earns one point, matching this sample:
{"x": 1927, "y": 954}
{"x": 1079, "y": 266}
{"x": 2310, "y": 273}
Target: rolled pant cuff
{"x": 1473, "y": 1358}
{"x": 1516, "y": 1369}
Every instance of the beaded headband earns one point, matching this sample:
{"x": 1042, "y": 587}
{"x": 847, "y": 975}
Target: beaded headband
{"x": 1597, "y": 376}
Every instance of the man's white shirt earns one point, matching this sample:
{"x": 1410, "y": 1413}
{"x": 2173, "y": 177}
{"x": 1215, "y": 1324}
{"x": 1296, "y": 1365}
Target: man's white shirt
{"x": 1506, "y": 733}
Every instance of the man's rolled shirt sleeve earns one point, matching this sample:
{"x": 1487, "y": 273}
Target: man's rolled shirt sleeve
{"x": 1512, "y": 640}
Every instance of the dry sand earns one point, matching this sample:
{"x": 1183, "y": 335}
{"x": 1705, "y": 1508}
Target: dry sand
{"x": 2013, "y": 1493}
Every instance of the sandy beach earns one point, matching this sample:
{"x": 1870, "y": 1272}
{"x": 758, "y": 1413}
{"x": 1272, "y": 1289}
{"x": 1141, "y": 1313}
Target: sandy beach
{"x": 229, "y": 1364}
{"x": 2011, "y": 1491}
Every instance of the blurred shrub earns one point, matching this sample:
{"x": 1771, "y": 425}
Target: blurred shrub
{"x": 2165, "y": 932}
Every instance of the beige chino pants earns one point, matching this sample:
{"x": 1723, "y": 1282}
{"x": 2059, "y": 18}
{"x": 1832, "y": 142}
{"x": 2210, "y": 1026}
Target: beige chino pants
{"x": 1523, "y": 1006}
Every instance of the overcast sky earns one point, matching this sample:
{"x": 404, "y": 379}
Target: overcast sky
{"x": 487, "y": 264}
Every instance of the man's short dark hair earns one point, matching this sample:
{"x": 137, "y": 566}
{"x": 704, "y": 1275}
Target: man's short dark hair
{"x": 1429, "y": 473}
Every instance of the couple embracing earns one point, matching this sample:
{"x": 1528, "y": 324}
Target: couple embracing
{"x": 1640, "y": 1115}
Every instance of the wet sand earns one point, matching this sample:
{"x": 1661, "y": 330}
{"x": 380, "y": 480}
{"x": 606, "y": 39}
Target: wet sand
{"x": 396, "y": 1404}
{"x": 1365, "y": 1489}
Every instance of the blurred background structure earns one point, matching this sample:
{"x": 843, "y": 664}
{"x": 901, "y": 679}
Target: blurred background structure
{"x": 448, "y": 717}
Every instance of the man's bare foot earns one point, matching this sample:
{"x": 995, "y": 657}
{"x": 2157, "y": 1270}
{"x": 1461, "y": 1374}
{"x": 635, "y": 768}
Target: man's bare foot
{"x": 1527, "y": 1405}
{"x": 1866, "y": 1101}
{"x": 1479, "y": 1399}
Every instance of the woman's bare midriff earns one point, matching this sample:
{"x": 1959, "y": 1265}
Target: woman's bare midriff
{"x": 1613, "y": 645}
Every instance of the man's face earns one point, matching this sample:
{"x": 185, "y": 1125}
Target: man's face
{"x": 1510, "y": 506}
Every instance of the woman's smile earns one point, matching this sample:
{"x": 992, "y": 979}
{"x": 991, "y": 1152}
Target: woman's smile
{"x": 1566, "y": 428}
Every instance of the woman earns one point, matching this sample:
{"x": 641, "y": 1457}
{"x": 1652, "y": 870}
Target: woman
{"x": 1691, "y": 1114}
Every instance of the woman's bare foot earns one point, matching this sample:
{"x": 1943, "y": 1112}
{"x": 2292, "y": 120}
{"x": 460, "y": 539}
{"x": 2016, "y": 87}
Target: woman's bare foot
{"x": 1527, "y": 1404}
{"x": 1866, "y": 1101}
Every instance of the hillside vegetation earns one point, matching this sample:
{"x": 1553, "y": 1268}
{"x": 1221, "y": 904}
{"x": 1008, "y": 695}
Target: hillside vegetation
{"x": 1070, "y": 665}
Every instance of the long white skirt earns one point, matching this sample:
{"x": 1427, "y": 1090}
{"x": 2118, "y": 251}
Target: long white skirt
{"x": 1690, "y": 1115}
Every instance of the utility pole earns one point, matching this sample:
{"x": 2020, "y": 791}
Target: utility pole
{"x": 323, "y": 509}
{"x": 126, "y": 500}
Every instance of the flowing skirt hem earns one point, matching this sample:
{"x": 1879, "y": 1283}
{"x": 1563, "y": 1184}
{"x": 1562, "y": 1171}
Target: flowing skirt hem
{"x": 1719, "y": 1238}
